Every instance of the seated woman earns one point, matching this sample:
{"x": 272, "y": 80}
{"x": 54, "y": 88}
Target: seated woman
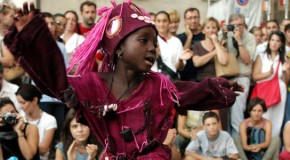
{"x": 29, "y": 97}
{"x": 285, "y": 154}
{"x": 76, "y": 141}
{"x": 18, "y": 139}
{"x": 255, "y": 134}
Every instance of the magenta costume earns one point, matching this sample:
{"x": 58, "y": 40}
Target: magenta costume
{"x": 134, "y": 128}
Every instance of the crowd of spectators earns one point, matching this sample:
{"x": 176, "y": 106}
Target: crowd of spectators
{"x": 247, "y": 130}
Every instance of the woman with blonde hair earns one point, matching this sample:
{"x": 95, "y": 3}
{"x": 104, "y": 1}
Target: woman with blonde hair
{"x": 205, "y": 51}
{"x": 174, "y": 21}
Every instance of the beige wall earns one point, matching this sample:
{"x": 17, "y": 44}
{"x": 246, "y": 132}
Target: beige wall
{"x": 60, "y": 6}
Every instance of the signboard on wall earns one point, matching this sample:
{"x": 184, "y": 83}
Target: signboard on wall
{"x": 242, "y": 7}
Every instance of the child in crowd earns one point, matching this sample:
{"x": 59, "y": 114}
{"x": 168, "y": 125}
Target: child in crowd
{"x": 211, "y": 142}
{"x": 77, "y": 142}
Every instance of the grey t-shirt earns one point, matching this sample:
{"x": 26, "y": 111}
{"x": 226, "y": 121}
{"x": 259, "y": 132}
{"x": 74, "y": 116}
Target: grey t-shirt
{"x": 219, "y": 147}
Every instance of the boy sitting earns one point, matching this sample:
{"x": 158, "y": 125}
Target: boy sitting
{"x": 211, "y": 144}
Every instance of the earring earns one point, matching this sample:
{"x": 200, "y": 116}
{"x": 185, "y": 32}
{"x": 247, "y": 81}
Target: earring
{"x": 119, "y": 53}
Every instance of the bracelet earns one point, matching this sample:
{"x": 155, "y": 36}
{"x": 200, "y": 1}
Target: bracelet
{"x": 21, "y": 134}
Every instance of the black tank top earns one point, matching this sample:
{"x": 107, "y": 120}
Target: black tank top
{"x": 11, "y": 148}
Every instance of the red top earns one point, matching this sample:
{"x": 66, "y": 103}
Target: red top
{"x": 83, "y": 31}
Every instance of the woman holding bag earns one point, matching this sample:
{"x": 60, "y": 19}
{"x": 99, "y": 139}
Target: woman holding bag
{"x": 266, "y": 66}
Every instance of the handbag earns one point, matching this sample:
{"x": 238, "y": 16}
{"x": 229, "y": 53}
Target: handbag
{"x": 269, "y": 90}
{"x": 164, "y": 69}
{"x": 229, "y": 70}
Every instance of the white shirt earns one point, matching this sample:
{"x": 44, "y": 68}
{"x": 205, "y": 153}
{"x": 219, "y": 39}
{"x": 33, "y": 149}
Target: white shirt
{"x": 74, "y": 41}
{"x": 261, "y": 48}
{"x": 266, "y": 66}
{"x": 287, "y": 50}
{"x": 170, "y": 51}
{"x": 46, "y": 122}
{"x": 221, "y": 146}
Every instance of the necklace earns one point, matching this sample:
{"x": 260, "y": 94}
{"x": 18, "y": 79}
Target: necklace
{"x": 38, "y": 121}
{"x": 114, "y": 106}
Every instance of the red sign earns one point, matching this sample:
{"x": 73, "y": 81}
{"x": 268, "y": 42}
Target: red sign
{"x": 243, "y": 2}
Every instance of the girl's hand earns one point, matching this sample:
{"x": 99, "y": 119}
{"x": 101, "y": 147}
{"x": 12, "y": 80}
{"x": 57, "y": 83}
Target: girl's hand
{"x": 24, "y": 16}
{"x": 92, "y": 150}
{"x": 72, "y": 150}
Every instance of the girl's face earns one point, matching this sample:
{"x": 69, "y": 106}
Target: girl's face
{"x": 258, "y": 36}
{"x": 210, "y": 28}
{"x": 71, "y": 21}
{"x": 173, "y": 26}
{"x": 257, "y": 112}
{"x": 139, "y": 50}
{"x": 162, "y": 23}
{"x": 26, "y": 106}
{"x": 275, "y": 43}
{"x": 79, "y": 131}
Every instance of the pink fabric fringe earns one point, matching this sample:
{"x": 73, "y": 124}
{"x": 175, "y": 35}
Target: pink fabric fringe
{"x": 84, "y": 56}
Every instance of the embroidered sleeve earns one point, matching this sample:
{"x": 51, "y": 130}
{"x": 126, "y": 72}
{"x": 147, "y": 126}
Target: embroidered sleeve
{"x": 212, "y": 93}
{"x": 37, "y": 52}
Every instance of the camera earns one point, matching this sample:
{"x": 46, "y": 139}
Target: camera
{"x": 231, "y": 27}
{"x": 9, "y": 119}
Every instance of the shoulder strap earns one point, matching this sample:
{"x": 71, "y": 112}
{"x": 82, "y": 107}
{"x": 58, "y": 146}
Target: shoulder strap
{"x": 263, "y": 124}
{"x": 277, "y": 69}
{"x": 25, "y": 126}
{"x": 247, "y": 124}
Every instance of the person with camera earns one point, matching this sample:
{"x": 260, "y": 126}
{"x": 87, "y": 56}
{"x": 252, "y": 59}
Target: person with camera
{"x": 17, "y": 138}
{"x": 242, "y": 44}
